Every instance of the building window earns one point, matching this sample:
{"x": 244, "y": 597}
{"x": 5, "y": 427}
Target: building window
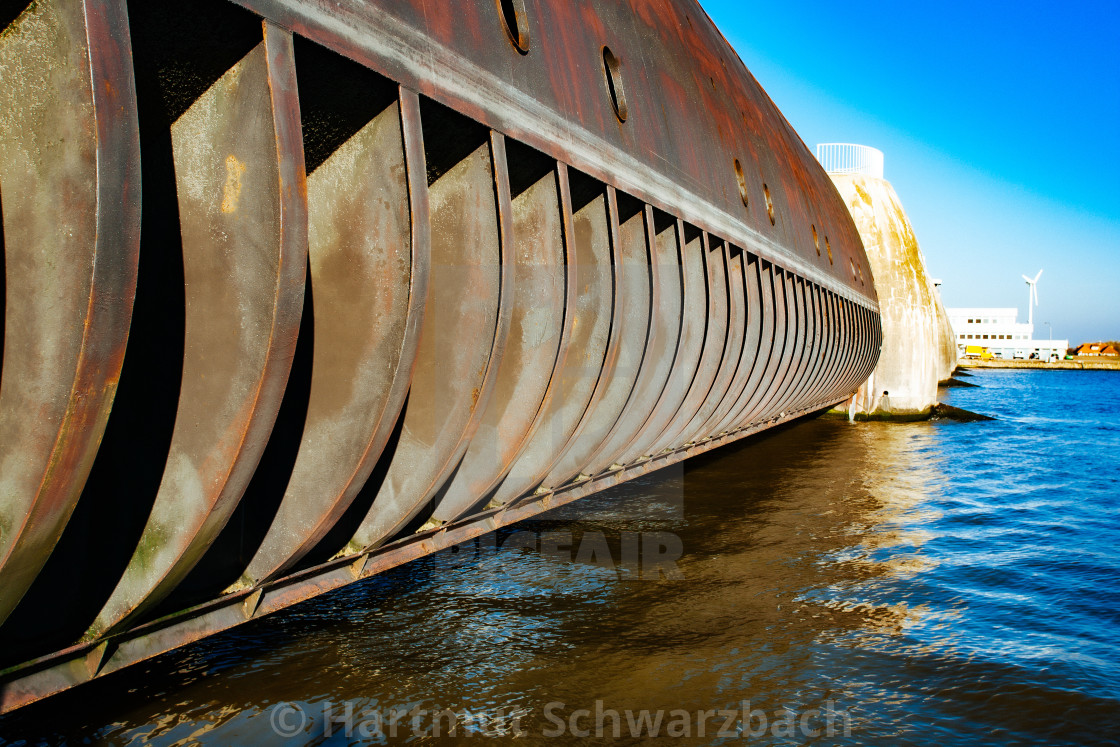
{"x": 985, "y": 337}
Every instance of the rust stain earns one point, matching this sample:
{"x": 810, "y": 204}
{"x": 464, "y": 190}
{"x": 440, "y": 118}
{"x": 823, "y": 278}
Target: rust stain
{"x": 231, "y": 192}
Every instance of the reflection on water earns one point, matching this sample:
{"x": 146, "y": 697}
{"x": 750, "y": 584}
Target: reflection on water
{"x": 932, "y": 583}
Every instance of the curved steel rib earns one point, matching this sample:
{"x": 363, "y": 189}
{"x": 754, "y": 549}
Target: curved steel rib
{"x": 529, "y": 365}
{"x": 715, "y": 339}
{"x": 753, "y": 358}
{"x": 694, "y": 320}
{"x": 733, "y": 348}
{"x": 70, "y": 188}
{"x": 462, "y": 338}
{"x": 588, "y": 240}
{"x": 243, "y": 211}
{"x": 660, "y": 354}
{"x": 630, "y": 328}
{"x": 369, "y": 255}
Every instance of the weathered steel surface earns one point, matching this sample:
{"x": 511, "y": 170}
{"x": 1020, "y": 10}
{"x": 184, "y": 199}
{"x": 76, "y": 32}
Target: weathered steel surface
{"x": 694, "y": 319}
{"x": 369, "y": 254}
{"x": 714, "y": 345}
{"x": 784, "y": 330}
{"x": 591, "y": 322}
{"x": 243, "y": 212}
{"x": 799, "y": 331}
{"x": 629, "y": 331}
{"x": 751, "y": 354}
{"x": 539, "y": 295}
{"x": 462, "y": 338}
{"x": 70, "y": 190}
{"x": 654, "y": 267}
{"x": 657, "y": 362}
{"x": 767, "y": 361}
{"x": 733, "y": 347}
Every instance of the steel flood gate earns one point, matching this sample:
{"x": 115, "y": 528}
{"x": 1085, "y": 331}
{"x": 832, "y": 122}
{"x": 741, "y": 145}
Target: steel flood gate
{"x": 297, "y": 291}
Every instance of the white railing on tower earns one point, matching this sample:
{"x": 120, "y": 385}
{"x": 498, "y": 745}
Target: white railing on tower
{"x": 848, "y": 158}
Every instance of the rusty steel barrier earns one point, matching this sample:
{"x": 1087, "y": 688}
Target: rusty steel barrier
{"x": 298, "y": 290}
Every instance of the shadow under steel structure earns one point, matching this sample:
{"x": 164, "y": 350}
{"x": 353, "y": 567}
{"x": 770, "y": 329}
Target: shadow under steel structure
{"x": 299, "y": 290}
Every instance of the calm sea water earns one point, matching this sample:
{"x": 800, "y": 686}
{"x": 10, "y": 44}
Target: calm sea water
{"x": 928, "y": 583}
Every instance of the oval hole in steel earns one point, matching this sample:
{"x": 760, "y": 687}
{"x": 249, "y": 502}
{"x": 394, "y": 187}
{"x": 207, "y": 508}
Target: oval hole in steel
{"x": 516, "y": 23}
{"x": 613, "y": 74}
{"x": 742, "y": 183}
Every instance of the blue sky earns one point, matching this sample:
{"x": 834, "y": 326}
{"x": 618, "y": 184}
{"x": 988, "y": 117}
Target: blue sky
{"x": 1001, "y": 128}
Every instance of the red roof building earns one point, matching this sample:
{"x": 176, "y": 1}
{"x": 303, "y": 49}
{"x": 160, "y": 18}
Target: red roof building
{"x": 1097, "y": 348}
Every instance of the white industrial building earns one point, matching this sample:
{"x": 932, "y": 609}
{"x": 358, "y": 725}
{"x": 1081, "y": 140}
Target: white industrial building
{"x": 1003, "y": 336}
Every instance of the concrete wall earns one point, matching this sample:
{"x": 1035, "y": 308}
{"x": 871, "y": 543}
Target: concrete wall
{"x": 947, "y": 347}
{"x": 918, "y": 346}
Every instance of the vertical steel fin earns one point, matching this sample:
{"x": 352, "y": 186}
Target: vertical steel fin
{"x": 629, "y": 332}
{"x": 589, "y": 242}
{"x": 694, "y": 320}
{"x": 791, "y": 390}
{"x": 657, "y": 363}
{"x": 243, "y": 212}
{"x": 787, "y": 329}
{"x": 462, "y": 338}
{"x": 715, "y": 343}
{"x": 765, "y": 361}
{"x": 71, "y": 219}
{"x": 367, "y": 252}
{"x": 537, "y": 325}
{"x": 816, "y": 340}
{"x": 818, "y": 352}
{"x": 733, "y": 348}
{"x": 773, "y": 320}
{"x": 754, "y": 359}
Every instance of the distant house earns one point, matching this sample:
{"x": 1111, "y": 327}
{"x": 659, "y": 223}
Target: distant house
{"x": 1097, "y": 348}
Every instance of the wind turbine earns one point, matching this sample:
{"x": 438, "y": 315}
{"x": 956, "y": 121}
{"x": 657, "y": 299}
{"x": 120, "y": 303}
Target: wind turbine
{"x": 1032, "y": 295}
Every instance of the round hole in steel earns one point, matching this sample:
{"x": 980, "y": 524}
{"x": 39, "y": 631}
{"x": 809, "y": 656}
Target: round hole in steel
{"x": 828, "y": 247}
{"x": 816, "y": 241}
{"x": 769, "y": 203}
{"x": 613, "y": 73}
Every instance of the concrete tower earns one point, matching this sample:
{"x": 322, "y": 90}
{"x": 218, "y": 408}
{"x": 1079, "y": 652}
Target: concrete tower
{"x": 918, "y": 346}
